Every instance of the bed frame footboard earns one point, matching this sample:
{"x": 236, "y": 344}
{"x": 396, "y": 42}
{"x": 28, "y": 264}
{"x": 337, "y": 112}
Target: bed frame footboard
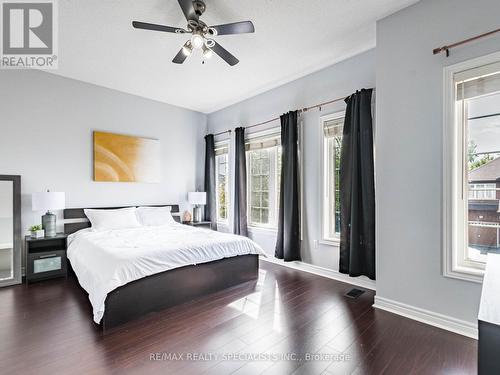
{"x": 157, "y": 292}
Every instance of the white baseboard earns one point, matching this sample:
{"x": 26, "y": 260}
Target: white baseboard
{"x": 448, "y": 323}
{"x": 325, "y": 272}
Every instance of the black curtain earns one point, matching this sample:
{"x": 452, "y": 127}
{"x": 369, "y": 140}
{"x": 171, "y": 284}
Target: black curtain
{"x": 210, "y": 188}
{"x": 288, "y": 242}
{"x": 240, "y": 184}
{"x": 357, "y": 190}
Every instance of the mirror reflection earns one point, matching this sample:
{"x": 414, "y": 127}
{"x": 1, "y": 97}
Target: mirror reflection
{"x": 6, "y": 230}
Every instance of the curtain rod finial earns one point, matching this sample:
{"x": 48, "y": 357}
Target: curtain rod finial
{"x": 445, "y": 49}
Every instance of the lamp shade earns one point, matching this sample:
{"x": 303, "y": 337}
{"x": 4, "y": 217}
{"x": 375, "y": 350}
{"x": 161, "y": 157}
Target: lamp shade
{"x": 197, "y": 197}
{"x": 48, "y": 200}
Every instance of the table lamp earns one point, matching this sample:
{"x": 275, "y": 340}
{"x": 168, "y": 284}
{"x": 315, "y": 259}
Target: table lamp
{"x": 47, "y": 201}
{"x": 197, "y": 199}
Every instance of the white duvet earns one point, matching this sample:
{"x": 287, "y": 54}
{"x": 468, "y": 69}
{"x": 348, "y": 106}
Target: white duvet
{"x": 106, "y": 260}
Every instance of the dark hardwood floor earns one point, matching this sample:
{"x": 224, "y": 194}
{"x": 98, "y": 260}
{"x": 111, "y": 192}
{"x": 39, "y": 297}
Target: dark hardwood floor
{"x": 46, "y": 328}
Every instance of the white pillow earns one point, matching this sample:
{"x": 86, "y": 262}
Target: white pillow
{"x": 155, "y": 216}
{"x": 121, "y": 218}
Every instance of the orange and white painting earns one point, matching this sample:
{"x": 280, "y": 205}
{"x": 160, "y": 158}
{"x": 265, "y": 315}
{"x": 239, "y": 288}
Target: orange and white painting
{"x": 124, "y": 158}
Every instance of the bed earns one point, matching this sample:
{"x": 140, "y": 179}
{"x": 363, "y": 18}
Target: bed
{"x": 129, "y": 273}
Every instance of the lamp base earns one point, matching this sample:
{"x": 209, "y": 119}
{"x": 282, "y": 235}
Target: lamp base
{"x": 197, "y": 214}
{"x": 49, "y": 224}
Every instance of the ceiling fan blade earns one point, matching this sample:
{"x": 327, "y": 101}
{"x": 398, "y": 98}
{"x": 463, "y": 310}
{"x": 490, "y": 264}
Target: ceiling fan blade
{"x": 224, "y": 54}
{"x": 188, "y": 9}
{"x": 181, "y": 56}
{"x": 154, "y": 27}
{"x": 242, "y": 27}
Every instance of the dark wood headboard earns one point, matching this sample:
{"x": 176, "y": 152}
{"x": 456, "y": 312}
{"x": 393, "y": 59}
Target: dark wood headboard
{"x": 78, "y": 213}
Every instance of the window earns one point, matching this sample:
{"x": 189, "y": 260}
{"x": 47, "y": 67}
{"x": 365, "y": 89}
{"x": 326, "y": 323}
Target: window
{"x": 263, "y": 180}
{"x": 332, "y": 127}
{"x": 472, "y": 166}
{"x": 482, "y": 191}
{"x": 222, "y": 181}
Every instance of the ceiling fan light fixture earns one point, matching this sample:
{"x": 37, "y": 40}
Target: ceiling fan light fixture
{"x": 197, "y": 41}
{"x": 187, "y": 49}
{"x": 201, "y": 33}
{"x": 207, "y": 52}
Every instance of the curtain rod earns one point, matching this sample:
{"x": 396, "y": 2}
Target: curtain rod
{"x": 300, "y": 111}
{"x": 447, "y": 48}
{"x": 224, "y": 132}
{"x": 305, "y": 109}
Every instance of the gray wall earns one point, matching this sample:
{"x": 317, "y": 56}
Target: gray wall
{"x": 46, "y": 137}
{"x": 409, "y": 147}
{"x": 335, "y": 81}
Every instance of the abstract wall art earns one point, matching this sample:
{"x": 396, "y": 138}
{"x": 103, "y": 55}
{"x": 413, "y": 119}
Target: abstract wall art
{"x": 124, "y": 158}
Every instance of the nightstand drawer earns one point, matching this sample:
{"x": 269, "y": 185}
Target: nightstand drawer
{"x": 48, "y": 264}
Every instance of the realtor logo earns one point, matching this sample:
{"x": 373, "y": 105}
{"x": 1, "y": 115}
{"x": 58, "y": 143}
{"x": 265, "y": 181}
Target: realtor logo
{"x": 29, "y": 34}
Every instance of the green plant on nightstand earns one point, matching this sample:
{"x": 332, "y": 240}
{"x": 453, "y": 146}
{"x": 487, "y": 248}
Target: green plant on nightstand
{"x": 37, "y": 231}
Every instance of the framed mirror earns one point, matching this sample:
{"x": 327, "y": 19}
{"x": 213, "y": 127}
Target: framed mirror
{"x": 10, "y": 230}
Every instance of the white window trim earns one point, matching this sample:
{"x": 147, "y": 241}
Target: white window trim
{"x": 227, "y": 144}
{"x": 274, "y": 131}
{"x": 454, "y": 233}
{"x": 335, "y": 241}
{"x": 262, "y": 229}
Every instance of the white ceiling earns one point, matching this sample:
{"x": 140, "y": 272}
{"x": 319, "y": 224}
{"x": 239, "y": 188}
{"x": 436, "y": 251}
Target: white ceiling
{"x": 97, "y": 44}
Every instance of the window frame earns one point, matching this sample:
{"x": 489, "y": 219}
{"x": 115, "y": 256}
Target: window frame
{"x": 218, "y": 145}
{"x": 324, "y": 188}
{"x": 273, "y": 185}
{"x": 455, "y": 263}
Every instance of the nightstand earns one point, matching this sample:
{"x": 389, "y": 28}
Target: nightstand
{"x": 199, "y": 224}
{"x": 46, "y": 257}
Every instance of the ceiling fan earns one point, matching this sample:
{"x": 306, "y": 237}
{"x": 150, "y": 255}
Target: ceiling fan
{"x": 201, "y": 32}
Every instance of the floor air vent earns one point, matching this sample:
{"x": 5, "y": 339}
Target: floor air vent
{"x": 354, "y": 293}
